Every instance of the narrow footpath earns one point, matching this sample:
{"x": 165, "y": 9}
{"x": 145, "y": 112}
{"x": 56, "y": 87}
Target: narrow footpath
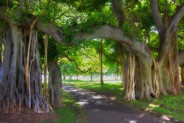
{"x": 101, "y": 109}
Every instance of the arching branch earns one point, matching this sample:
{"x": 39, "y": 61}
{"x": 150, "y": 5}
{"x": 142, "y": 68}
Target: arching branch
{"x": 105, "y": 31}
{"x": 111, "y": 32}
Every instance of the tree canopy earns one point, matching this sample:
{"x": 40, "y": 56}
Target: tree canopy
{"x": 142, "y": 39}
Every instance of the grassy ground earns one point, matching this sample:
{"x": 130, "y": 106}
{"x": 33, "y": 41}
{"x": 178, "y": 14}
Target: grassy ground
{"x": 70, "y": 112}
{"x": 169, "y": 105}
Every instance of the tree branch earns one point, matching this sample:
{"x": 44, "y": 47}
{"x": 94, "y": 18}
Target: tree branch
{"x": 76, "y": 65}
{"x": 156, "y": 15}
{"x": 105, "y": 31}
{"x": 111, "y": 32}
{"x": 118, "y": 12}
{"x": 176, "y": 17}
{"x": 46, "y": 27}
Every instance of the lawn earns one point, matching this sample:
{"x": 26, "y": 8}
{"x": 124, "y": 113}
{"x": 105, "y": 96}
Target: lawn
{"x": 70, "y": 112}
{"x": 169, "y": 105}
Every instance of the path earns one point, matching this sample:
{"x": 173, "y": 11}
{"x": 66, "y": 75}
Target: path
{"x": 100, "y": 109}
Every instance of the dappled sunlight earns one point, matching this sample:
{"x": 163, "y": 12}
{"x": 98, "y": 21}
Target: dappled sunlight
{"x": 151, "y": 107}
{"x": 82, "y": 103}
{"x": 74, "y": 90}
{"x": 132, "y": 121}
{"x": 107, "y": 107}
{"x": 90, "y": 92}
{"x": 97, "y": 97}
{"x": 99, "y": 102}
{"x": 81, "y": 93}
{"x": 113, "y": 98}
{"x": 168, "y": 105}
{"x": 96, "y": 109}
{"x": 166, "y": 118}
{"x": 121, "y": 89}
{"x": 141, "y": 115}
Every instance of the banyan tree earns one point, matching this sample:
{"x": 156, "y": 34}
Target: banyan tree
{"x": 20, "y": 68}
{"x": 145, "y": 76}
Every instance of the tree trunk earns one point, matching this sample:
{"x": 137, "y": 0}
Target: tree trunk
{"x": 7, "y": 61}
{"x": 129, "y": 76}
{"x": 101, "y": 64}
{"x": 18, "y": 95}
{"x": 45, "y": 67}
{"x": 64, "y": 77}
{"x": 54, "y": 83}
{"x": 173, "y": 64}
{"x": 138, "y": 76}
{"x": 91, "y": 76}
{"x": 145, "y": 83}
{"x": 1, "y": 46}
{"x": 77, "y": 77}
{"x": 168, "y": 63}
{"x": 117, "y": 72}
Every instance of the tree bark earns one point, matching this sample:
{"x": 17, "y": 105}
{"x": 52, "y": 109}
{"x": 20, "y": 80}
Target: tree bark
{"x": 173, "y": 65}
{"x": 45, "y": 67}
{"x": 16, "y": 94}
{"x": 129, "y": 76}
{"x": 167, "y": 61}
{"x": 54, "y": 83}
{"x": 6, "y": 35}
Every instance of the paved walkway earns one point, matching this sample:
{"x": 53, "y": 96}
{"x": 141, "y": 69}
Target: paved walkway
{"x": 100, "y": 109}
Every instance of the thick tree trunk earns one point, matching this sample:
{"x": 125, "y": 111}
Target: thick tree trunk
{"x": 18, "y": 94}
{"x": 168, "y": 62}
{"x": 173, "y": 64}
{"x": 138, "y": 76}
{"x": 7, "y": 61}
{"x": 54, "y": 83}
{"x": 129, "y": 76}
{"x": 146, "y": 86}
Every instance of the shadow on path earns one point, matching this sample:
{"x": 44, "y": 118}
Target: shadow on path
{"x": 100, "y": 109}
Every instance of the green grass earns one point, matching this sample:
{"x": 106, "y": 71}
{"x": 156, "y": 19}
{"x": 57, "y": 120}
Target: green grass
{"x": 70, "y": 112}
{"x": 169, "y": 105}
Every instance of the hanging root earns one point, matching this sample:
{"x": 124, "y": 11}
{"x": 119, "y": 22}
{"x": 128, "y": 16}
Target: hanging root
{"x": 156, "y": 80}
{"x": 19, "y": 95}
